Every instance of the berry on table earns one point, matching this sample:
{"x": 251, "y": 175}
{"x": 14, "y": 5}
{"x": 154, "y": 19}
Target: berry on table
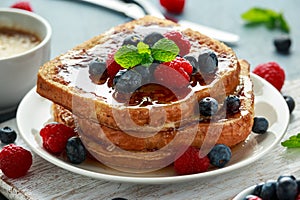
{"x": 208, "y": 106}
{"x": 15, "y": 161}
{"x": 55, "y": 137}
{"x": 260, "y": 125}
{"x": 173, "y": 6}
{"x": 271, "y": 72}
{"x": 232, "y": 103}
{"x": 24, "y": 5}
{"x": 7, "y": 135}
{"x": 220, "y": 155}
{"x": 190, "y": 162}
{"x": 283, "y": 43}
{"x": 76, "y": 152}
{"x": 290, "y": 102}
{"x": 183, "y": 44}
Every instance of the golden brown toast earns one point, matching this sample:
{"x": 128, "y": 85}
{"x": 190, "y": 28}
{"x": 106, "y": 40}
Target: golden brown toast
{"x": 65, "y": 81}
{"x": 134, "y": 151}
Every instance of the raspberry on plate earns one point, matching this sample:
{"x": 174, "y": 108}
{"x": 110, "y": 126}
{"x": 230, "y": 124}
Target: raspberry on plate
{"x": 183, "y": 44}
{"x": 55, "y": 137}
{"x": 24, "y": 5}
{"x": 15, "y": 161}
{"x": 173, "y": 6}
{"x": 191, "y": 163}
{"x": 272, "y": 72}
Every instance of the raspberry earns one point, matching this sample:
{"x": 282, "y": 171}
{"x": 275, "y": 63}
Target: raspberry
{"x": 173, "y": 6}
{"x": 112, "y": 66}
{"x": 183, "y": 44}
{"x": 55, "y": 137}
{"x": 24, "y": 5}
{"x": 190, "y": 162}
{"x": 15, "y": 161}
{"x": 174, "y": 74}
{"x": 271, "y": 72}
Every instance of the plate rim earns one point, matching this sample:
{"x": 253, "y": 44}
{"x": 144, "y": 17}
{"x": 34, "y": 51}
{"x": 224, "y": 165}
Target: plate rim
{"x": 146, "y": 180}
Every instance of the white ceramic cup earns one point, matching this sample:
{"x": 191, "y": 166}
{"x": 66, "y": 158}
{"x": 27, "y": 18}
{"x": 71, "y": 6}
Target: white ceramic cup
{"x": 18, "y": 73}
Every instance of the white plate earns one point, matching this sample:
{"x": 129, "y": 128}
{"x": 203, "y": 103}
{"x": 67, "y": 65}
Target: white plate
{"x": 34, "y": 112}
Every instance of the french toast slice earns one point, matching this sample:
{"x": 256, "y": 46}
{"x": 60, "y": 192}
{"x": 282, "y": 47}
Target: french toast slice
{"x": 227, "y": 129}
{"x": 66, "y": 82}
{"x": 127, "y": 151}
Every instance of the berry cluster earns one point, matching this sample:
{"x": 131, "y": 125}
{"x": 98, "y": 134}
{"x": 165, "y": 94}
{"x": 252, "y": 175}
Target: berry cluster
{"x": 24, "y": 5}
{"x": 285, "y": 187}
{"x": 190, "y": 161}
{"x": 58, "y": 138}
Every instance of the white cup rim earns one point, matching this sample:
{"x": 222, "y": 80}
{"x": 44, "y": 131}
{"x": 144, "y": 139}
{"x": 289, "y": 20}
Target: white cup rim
{"x": 39, "y": 18}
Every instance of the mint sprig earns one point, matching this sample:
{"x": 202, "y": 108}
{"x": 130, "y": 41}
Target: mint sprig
{"x": 292, "y": 142}
{"x": 270, "y": 18}
{"x": 163, "y": 50}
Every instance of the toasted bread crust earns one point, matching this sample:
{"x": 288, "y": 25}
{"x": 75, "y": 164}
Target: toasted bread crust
{"x": 88, "y": 106}
{"x": 229, "y": 130}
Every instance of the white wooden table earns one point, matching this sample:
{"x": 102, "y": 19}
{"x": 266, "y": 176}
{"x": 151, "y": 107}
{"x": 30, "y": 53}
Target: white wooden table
{"x": 47, "y": 181}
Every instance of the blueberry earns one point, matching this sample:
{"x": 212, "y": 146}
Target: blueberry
{"x": 145, "y": 73}
{"x": 207, "y": 61}
{"x": 152, "y": 38}
{"x": 290, "y": 102}
{"x": 286, "y": 188}
{"x": 132, "y": 40}
{"x": 127, "y": 81}
{"x": 232, "y": 103}
{"x": 257, "y": 189}
{"x": 220, "y": 155}
{"x": 260, "y": 125}
{"x": 193, "y": 61}
{"x": 7, "y": 135}
{"x": 97, "y": 67}
{"x": 283, "y": 43}
{"x": 268, "y": 190}
{"x": 208, "y": 106}
{"x": 75, "y": 150}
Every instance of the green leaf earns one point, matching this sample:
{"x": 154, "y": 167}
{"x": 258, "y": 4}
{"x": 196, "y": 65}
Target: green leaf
{"x": 292, "y": 142}
{"x": 128, "y": 56}
{"x": 267, "y": 17}
{"x": 143, "y": 48}
{"x": 164, "y": 50}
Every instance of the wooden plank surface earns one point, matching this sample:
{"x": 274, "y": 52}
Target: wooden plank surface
{"x": 46, "y": 181}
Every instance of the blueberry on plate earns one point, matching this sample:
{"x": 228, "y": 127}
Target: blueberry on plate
{"x": 286, "y": 188}
{"x": 208, "y": 106}
{"x": 152, "y": 38}
{"x": 232, "y": 103}
{"x": 283, "y": 43}
{"x": 132, "y": 40}
{"x": 207, "y": 61}
{"x": 7, "y": 135}
{"x": 220, "y": 155}
{"x": 76, "y": 152}
{"x": 193, "y": 61}
{"x": 290, "y": 102}
{"x": 260, "y": 125}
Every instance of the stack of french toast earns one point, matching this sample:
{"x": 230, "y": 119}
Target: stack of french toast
{"x": 133, "y": 93}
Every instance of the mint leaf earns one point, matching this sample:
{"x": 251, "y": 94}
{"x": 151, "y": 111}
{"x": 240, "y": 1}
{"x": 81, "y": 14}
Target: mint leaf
{"x": 143, "y": 48}
{"x": 128, "y": 56}
{"x": 267, "y": 17}
{"x": 164, "y": 50}
{"x": 292, "y": 142}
